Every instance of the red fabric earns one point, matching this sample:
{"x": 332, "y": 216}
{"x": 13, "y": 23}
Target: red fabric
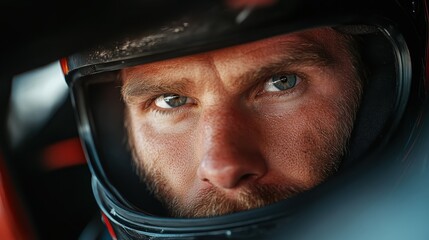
{"x": 109, "y": 227}
{"x": 13, "y": 222}
{"x": 63, "y": 154}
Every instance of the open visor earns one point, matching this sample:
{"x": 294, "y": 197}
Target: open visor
{"x": 96, "y": 82}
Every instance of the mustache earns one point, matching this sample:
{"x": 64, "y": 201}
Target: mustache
{"x": 214, "y": 202}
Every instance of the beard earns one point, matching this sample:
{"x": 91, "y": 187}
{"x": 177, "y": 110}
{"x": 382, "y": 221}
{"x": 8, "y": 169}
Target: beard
{"x": 212, "y": 201}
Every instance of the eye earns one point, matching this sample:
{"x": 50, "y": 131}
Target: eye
{"x": 281, "y": 82}
{"x": 172, "y": 100}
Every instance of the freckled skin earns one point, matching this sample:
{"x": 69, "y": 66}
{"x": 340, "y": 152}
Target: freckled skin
{"x": 207, "y": 157}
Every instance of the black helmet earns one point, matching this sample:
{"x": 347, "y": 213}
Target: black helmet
{"x": 379, "y": 190}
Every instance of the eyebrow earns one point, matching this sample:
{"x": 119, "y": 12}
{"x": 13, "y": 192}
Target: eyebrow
{"x": 299, "y": 55}
{"x": 303, "y": 54}
{"x": 137, "y": 86}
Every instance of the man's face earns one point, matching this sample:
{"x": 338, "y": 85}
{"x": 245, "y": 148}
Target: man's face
{"x": 242, "y": 127}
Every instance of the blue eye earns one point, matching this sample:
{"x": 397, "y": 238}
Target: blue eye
{"x": 281, "y": 82}
{"x": 172, "y": 101}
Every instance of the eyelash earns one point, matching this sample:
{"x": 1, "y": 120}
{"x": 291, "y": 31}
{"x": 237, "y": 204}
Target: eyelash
{"x": 164, "y": 112}
{"x": 149, "y": 105}
{"x": 260, "y": 92}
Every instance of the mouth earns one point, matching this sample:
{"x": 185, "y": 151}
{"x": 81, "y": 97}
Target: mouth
{"x": 214, "y": 202}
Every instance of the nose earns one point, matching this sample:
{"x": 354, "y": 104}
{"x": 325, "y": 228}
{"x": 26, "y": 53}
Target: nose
{"x": 230, "y": 149}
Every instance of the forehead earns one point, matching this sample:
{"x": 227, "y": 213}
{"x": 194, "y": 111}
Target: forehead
{"x": 320, "y": 40}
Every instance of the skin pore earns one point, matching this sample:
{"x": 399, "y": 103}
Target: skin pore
{"x": 245, "y": 126}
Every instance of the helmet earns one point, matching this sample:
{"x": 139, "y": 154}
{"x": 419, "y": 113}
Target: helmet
{"x": 379, "y": 189}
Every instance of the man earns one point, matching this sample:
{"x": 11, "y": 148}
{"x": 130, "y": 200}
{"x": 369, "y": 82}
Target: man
{"x": 227, "y": 110}
{"x": 245, "y": 126}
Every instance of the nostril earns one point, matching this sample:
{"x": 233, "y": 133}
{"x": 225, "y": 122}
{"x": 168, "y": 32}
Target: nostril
{"x": 248, "y": 176}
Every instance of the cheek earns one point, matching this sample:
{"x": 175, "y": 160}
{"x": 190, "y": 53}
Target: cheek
{"x": 301, "y": 142}
{"x": 285, "y": 144}
{"x": 169, "y": 152}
